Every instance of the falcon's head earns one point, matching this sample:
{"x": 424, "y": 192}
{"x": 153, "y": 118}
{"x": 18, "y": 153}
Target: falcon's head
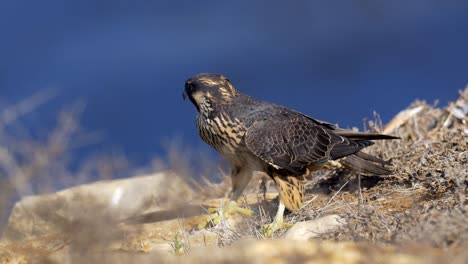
{"x": 208, "y": 91}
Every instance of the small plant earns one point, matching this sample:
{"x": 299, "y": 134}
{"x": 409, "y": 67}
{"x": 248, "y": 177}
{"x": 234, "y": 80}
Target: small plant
{"x": 177, "y": 244}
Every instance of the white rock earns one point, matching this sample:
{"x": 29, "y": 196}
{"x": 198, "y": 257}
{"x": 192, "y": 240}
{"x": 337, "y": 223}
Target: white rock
{"x": 314, "y": 228}
{"x": 111, "y": 200}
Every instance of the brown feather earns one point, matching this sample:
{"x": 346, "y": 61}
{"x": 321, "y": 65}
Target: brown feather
{"x": 291, "y": 191}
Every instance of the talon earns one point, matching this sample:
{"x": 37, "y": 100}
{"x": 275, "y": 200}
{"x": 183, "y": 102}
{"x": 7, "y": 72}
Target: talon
{"x": 212, "y": 210}
{"x": 242, "y": 211}
{"x": 201, "y": 225}
{"x": 269, "y": 229}
{"x": 216, "y": 214}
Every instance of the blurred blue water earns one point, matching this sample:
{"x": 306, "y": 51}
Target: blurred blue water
{"x": 334, "y": 60}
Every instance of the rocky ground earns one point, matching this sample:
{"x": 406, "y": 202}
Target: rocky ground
{"x": 417, "y": 215}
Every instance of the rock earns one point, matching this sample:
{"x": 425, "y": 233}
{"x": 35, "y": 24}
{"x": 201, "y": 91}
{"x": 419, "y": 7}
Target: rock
{"x": 314, "y": 228}
{"x": 401, "y": 118}
{"x": 153, "y": 214}
{"x": 104, "y": 202}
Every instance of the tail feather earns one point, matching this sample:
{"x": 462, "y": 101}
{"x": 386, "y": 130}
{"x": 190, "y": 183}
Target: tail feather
{"x": 353, "y": 135}
{"x": 369, "y": 157}
{"x": 365, "y": 163}
{"x": 357, "y": 160}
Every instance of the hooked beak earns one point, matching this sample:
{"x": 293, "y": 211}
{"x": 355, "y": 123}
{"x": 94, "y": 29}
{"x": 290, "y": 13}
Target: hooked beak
{"x": 187, "y": 86}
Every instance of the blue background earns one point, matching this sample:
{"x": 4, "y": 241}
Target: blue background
{"x": 128, "y": 60}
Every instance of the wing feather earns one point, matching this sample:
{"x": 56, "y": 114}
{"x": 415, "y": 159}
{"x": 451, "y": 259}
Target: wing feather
{"x": 293, "y": 141}
{"x": 290, "y": 143}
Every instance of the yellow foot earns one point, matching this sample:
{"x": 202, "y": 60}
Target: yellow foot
{"x": 224, "y": 212}
{"x": 269, "y": 229}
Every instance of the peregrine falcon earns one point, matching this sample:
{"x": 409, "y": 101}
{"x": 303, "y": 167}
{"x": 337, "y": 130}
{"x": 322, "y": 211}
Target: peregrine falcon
{"x": 287, "y": 145}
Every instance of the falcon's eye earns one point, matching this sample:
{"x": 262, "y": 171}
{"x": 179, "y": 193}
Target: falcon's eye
{"x": 190, "y": 87}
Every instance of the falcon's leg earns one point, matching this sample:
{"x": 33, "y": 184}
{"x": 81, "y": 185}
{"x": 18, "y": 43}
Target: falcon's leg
{"x": 240, "y": 179}
{"x": 277, "y": 224}
{"x": 291, "y": 191}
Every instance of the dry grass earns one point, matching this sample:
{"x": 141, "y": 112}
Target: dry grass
{"x": 424, "y": 201}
